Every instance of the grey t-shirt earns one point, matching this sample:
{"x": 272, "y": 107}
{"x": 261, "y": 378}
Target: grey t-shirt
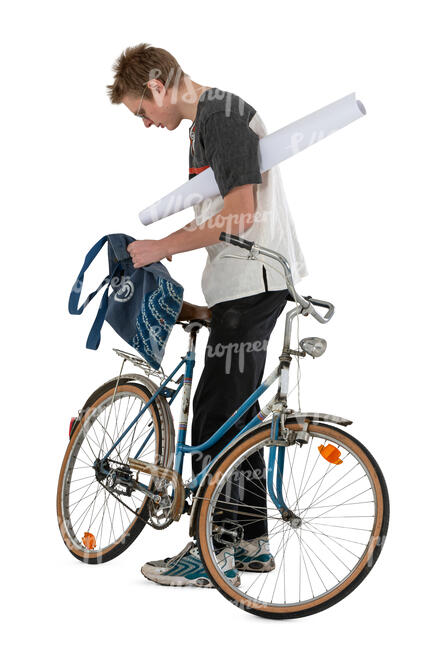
{"x": 221, "y": 138}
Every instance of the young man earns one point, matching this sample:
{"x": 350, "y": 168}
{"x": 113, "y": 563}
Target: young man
{"x": 244, "y": 296}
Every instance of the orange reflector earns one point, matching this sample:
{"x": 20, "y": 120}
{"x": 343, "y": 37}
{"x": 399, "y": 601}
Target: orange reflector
{"x": 331, "y": 454}
{"x": 89, "y": 540}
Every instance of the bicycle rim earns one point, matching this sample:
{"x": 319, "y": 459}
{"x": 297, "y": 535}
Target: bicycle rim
{"x": 95, "y": 525}
{"x": 343, "y": 510}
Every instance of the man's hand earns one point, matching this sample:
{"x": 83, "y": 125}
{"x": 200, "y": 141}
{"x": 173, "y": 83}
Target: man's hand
{"x": 147, "y": 251}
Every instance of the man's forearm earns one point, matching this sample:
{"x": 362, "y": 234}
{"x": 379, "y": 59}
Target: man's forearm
{"x": 191, "y": 236}
{"x": 236, "y": 216}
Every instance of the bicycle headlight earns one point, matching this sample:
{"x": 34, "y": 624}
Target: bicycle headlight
{"x": 313, "y": 346}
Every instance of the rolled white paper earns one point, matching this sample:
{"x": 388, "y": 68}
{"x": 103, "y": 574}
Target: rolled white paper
{"x": 273, "y": 149}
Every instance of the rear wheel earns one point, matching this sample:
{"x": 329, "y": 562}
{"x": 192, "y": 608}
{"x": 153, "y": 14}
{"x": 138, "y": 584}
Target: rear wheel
{"x": 340, "y": 511}
{"x": 95, "y": 525}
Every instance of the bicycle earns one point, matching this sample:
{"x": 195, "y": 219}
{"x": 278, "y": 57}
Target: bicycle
{"x": 325, "y": 500}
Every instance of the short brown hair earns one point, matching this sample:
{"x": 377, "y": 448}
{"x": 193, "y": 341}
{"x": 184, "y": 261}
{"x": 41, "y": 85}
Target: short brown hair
{"x": 139, "y": 64}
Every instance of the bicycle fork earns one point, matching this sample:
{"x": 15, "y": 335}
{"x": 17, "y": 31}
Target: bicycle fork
{"x": 275, "y": 471}
{"x": 276, "y": 463}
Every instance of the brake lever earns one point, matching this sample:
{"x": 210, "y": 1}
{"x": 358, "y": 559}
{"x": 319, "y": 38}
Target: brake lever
{"x": 250, "y": 256}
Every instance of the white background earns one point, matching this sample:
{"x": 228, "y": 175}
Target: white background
{"x": 367, "y": 208}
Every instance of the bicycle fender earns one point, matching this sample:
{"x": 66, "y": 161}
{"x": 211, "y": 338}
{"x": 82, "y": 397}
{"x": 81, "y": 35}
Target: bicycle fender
{"x": 163, "y": 406}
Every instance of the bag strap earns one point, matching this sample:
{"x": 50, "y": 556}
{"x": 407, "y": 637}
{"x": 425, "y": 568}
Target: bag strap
{"x": 76, "y": 290}
{"x": 94, "y": 335}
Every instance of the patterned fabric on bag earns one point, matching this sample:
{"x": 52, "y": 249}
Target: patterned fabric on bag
{"x": 144, "y": 303}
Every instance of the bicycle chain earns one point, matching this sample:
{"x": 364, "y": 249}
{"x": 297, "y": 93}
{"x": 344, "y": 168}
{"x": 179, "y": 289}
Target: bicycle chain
{"x": 134, "y": 512}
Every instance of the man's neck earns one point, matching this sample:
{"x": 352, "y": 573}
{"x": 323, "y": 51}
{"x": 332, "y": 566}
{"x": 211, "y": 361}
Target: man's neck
{"x": 188, "y": 98}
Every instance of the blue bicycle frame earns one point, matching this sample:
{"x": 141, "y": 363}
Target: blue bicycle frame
{"x": 182, "y": 448}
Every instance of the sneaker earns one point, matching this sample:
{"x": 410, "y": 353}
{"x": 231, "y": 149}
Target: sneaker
{"x": 254, "y": 555}
{"x": 186, "y": 568}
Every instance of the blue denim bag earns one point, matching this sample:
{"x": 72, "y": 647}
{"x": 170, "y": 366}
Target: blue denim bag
{"x": 144, "y": 303}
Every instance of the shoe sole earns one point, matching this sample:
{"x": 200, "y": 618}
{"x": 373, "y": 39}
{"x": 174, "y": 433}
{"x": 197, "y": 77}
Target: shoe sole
{"x": 259, "y": 567}
{"x": 182, "y": 581}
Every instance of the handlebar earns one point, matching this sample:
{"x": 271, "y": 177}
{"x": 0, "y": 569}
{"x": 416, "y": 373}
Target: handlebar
{"x": 325, "y": 305}
{"x": 307, "y": 302}
{"x": 237, "y": 241}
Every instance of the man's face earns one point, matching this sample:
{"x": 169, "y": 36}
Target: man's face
{"x": 159, "y": 111}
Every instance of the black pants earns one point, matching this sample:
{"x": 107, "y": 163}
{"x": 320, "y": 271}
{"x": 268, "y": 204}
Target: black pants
{"x": 234, "y": 364}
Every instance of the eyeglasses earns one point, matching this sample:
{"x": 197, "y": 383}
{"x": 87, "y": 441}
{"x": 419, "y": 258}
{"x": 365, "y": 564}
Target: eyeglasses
{"x": 140, "y": 105}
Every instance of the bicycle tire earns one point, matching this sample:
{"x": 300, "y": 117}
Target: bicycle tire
{"x": 221, "y": 468}
{"x": 134, "y": 529}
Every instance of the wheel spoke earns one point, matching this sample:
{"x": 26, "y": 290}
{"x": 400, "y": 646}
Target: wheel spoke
{"x": 87, "y": 505}
{"x": 314, "y": 548}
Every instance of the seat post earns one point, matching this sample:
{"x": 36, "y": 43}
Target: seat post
{"x": 193, "y": 328}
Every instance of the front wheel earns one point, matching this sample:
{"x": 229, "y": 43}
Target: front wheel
{"x": 314, "y": 554}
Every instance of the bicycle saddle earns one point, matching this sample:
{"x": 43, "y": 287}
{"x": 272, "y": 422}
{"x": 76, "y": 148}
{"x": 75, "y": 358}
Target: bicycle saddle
{"x": 190, "y": 312}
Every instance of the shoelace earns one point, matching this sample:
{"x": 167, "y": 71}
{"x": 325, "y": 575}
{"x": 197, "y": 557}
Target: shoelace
{"x": 176, "y": 558}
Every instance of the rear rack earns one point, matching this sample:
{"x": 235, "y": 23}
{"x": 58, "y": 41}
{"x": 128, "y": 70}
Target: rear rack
{"x": 141, "y": 363}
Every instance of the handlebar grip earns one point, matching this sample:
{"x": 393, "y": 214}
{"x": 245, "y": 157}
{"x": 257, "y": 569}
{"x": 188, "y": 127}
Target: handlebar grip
{"x": 321, "y": 303}
{"x": 236, "y": 241}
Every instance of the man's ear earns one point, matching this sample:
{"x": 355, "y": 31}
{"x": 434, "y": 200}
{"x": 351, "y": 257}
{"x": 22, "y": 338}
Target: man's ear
{"x": 154, "y": 85}
{"x": 157, "y": 89}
